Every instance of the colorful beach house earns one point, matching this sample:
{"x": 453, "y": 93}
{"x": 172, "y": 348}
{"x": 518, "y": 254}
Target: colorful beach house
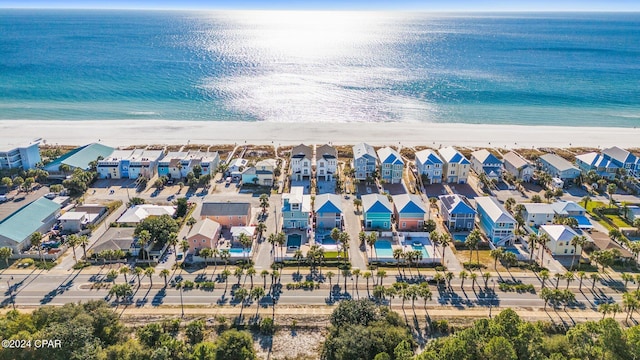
{"x": 429, "y": 164}
{"x": 457, "y": 213}
{"x": 227, "y": 214}
{"x": 518, "y": 166}
{"x": 204, "y": 234}
{"x": 301, "y": 162}
{"x": 326, "y": 163}
{"x": 129, "y": 164}
{"x": 177, "y": 164}
{"x": 296, "y": 208}
{"x": 558, "y": 167}
{"x": 377, "y": 212}
{"x": 409, "y": 211}
{"x": 560, "y": 239}
{"x": 564, "y": 209}
{"x": 484, "y": 162}
{"x": 391, "y": 165}
{"x": 261, "y": 173}
{"x": 365, "y": 161}
{"x": 456, "y": 166}
{"x": 623, "y": 159}
{"x": 595, "y": 162}
{"x": 16, "y": 230}
{"x": 495, "y": 221}
{"x": 21, "y": 157}
{"x": 328, "y": 211}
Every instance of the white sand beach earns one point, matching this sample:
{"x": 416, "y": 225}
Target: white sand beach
{"x": 122, "y": 133}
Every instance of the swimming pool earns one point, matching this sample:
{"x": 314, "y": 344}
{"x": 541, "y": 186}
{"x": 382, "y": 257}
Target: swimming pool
{"x": 239, "y": 251}
{"x": 512, "y": 250}
{"x": 459, "y": 237}
{"x": 425, "y": 253}
{"x": 294, "y": 241}
{"x": 383, "y": 248}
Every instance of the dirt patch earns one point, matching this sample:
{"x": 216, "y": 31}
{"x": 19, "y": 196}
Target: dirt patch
{"x": 291, "y": 343}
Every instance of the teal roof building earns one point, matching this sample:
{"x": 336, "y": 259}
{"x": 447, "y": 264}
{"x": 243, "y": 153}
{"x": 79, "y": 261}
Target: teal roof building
{"x": 39, "y": 215}
{"x": 80, "y": 157}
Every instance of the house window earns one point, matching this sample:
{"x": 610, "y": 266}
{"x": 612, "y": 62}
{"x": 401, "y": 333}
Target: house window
{"x": 404, "y": 224}
{"x": 203, "y": 241}
{"x": 385, "y": 224}
{"x": 565, "y": 251}
{"x": 453, "y": 172}
{"x": 239, "y": 217}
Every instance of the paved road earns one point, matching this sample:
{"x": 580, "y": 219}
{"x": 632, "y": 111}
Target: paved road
{"x": 353, "y": 228}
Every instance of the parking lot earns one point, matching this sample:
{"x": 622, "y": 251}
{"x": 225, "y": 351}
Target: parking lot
{"x": 9, "y": 207}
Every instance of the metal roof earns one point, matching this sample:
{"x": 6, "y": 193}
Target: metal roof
{"x": 451, "y": 155}
{"x": 364, "y": 149}
{"x": 428, "y": 156}
{"x": 80, "y": 157}
{"x": 456, "y": 204}
{"x": 225, "y": 208}
{"x": 28, "y": 219}
{"x": 328, "y": 203}
{"x": 376, "y": 203}
{"x": 515, "y": 160}
{"x": 409, "y": 203}
{"x": 494, "y": 209}
{"x": 388, "y": 155}
{"x": 557, "y": 162}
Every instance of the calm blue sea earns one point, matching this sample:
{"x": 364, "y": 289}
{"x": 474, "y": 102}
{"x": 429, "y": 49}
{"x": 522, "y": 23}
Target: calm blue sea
{"x": 548, "y": 69}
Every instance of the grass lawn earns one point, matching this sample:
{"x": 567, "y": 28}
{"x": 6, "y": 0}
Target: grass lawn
{"x": 591, "y": 205}
{"x": 618, "y": 221}
{"x": 330, "y": 254}
{"x": 485, "y": 259}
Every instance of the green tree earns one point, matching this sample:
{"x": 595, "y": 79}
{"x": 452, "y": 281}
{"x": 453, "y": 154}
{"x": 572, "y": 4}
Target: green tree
{"x": 499, "y": 348}
{"x": 195, "y": 332}
{"x": 36, "y": 240}
{"x": 5, "y": 253}
{"x": 182, "y": 207}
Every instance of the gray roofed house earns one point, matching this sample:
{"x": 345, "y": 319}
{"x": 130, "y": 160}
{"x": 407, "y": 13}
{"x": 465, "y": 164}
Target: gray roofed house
{"x": 300, "y": 162}
{"x": 365, "y": 161}
{"x": 326, "y": 162}
{"x": 558, "y": 167}
{"x": 518, "y": 166}
{"x": 117, "y": 239}
{"x": 80, "y": 157}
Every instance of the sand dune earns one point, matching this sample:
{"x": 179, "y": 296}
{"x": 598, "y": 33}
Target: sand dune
{"x": 122, "y": 132}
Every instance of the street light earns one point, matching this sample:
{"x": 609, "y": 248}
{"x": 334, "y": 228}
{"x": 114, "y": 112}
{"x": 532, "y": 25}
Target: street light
{"x": 13, "y": 302}
{"x": 181, "y": 303}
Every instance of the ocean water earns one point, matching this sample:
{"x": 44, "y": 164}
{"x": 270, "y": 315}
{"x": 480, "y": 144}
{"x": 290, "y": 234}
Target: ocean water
{"x": 547, "y": 69}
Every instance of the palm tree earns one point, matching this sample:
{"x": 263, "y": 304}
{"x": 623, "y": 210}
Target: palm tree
{"x": 261, "y": 228}
{"x": 272, "y": 239}
{"x": 542, "y": 241}
{"x": 630, "y": 303}
{"x": 298, "y": 257}
{"x": 474, "y": 278}
{"x": 256, "y": 294}
{"x": 5, "y": 253}
{"x": 124, "y": 270}
{"x": 472, "y": 242}
{"x": 463, "y": 275}
{"x": 558, "y": 276}
{"x": 251, "y": 271}
{"x": 264, "y": 202}
{"x": 381, "y": 274}
{"x": 137, "y": 271}
{"x": 434, "y": 236}
{"x": 486, "y": 276}
{"x": 36, "y": 240}
{"x": 143, "y": 240}
{"x": 246, "y": 241}
{"x": 496, "y": 254}
{"x": 398, "y": 254}
{"x": 611, "y": 189}
{"x": 367, "y": 275}
{"x": 73, "y": 240}
{"x": 371, "y": 241}
{"x": 225, "y": 254}
{"x": 532, "y": 241}
{"x": 238, "y": 272}
{"x": 578, "y": 241}
{"x": 225, "y": 276}
{"x": 165, "y": 274}
{"x": 445, "y": 240}
{"x": 264, "y": 274}
{"x": 205, "y": 254}
{"x": 281, "y": 239}
{"x": 594, "y": 278}
{"x": 173, "y": 241}
{"x": 581, "y": 276}
{"x": 569, "y": 276}
{"x": 425, "y": 293}
{"x": 357, "y": 203}
{"x": 604, "y": 309}
{"x": 626, "y": 278}
{"x": 329, "y": 276}
{"x": 149, "y": 272}
{"x": 112, "y": 275}
{"x": 240, "y": 295}
{"x": 449, "y": 276}
{"x": 585, "y": 200}
{"x": 544, "y": 276}
{"x": 356, "y": 274}
{"x": 345, "y": 274}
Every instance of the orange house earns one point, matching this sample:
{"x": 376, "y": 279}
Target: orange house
{"x": 227, "y": 214}
{"x": 204, "y": 234}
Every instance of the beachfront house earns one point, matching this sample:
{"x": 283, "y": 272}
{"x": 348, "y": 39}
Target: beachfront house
{"x": 377, "y": 212}
{"x": 16, "y": 230}
{"x": 236, "y": 167}
{"x": 129, "y": 164}
{"x": 365, "y": 161}
{"x": 457, "y": 213}
{"x": 560, "y": 239}
{"x": 227, "y": 214}
{"x": 262, "y": 173}
{"x": 21, "y": 157}
{"x": 296, "y": 208}
{"x": 204, "y": 234}
{"x": 456, "y": 166}
{"x": 536, "y": 214}
{"x": 484, "y": 162}
{"x": 430, "y": 165}
{"x": 328, "y": 211}
{"x": 595, "y": 162}
{"x": 558, "y": 167}
{"x": 79, "y": 158}
{"x": 495, "y": 221}
{"x": 177, "y": 164}
{"x": 301, "y": 162}
{"x": 624, "y": 159}
{"x": 326, "y": 163}
{"x": 632, "y": 213}
{"x": 409, "y": 212}
{"x": 518, "y": 166}
{"x": 391, "y": 165}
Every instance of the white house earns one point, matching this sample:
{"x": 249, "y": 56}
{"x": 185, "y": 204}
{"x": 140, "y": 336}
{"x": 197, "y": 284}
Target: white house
{"x": 177, "y": 164}
{"x": 365, "y": 161}
{"x": 326, "y": 162}
{"x": 21, "y": 157}
{"x": 301, "y": 162}
{"x": 137, "y": 213}
{"x": 236, "y": 167}
{"x": 129, "y": 164}
{"x": 560, "y": 239}
{"x": 536, "y": 214}
{"x": 518, "y": 166}
{"x": 429, "y": 163}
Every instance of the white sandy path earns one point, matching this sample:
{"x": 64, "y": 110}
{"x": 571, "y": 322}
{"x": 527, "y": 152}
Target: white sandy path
{"x": 123, "y": 132}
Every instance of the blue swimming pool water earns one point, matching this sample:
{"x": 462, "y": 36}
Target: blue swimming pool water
{"x": 459, "y": 237}
{"x": 238, "y": 251}
{"x": 294, "y": 240}
{"x": 425, "y": 253}
{"x": 512, "y": 250}
{"x": 328, "y": 241}
{"x": 383, "y": 248}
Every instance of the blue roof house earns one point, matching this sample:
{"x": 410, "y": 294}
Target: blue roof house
{"x": 391, "y": 165}
{"x": 328, "y": 211}
{"x": 457, "y": 213}
{"x": 16, "y": 230}
{"x": 485, "y": 162}
{"x": 377, "y": 212}
{"x": 623, "y": 159}
{"x": 593, "y": 161}
{"x": 456, "y": 166}
{"x": 429, "y": 163}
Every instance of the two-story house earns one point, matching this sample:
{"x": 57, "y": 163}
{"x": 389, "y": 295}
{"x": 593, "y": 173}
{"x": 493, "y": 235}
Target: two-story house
{"x": 409, "y": 211}
{"x": 365, "y": 161}
{"x": 598, "y": 163}
{"x": 518, "y": 166}
{"x": 429, "y": 164}
{"x": 560, "y": 237}
{"x": 495, "y": 221}
{"x": 536, "y": 214}
{"x": 326, "y": 163}
{"x": 391, "y": 165}
{"x": 484, "y": 162}
{"x": 228, "y": 214}
{"x": 623, "y": 159}
{"x": 456, "y": 166}
{"x": 377, "y": 212}
{"x": 301, "y": 162}
{"x": 328, "y": 210}
{"x": 558, "y": 167}
{"x": 457, "y": 213}
{"x": 177, "y": 164}
{"x": 296, "y": 208}
{"x": 564, "y": 209}
{"x": 204, "y": 234}
{"x": 262, "y": 173}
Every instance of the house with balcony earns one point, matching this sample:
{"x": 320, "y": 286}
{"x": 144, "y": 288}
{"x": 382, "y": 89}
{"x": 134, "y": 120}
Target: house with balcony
{"x": 429, "y": 164}
{"x": 564, "y": 209}
{"x": 301, "y": 162}
{"x": 623, "y": 159}
{"x": 365, "y": 161}
{"x": 326, "y": 163}
{"x": 457, "y": 214}
{"x": 409, "y": 212}
{"x": 129, "y": 164}
{"x": 21, "y": 157}
{"x": 328, "y": 211}
{"x": 484, "y": 162}
{"x": 204, "y": 234}
{"x": 456, "y": 166}
{"x": 377, "y": 211}
{"x": 262, "y": 173}
{"x": 595, "y": 162}
{"x": 518, "y": 166}
{"x": 495, "y": 221}
{"x": 177, "y": 164}
{"x": 236, "y": 167}
{"x": 536, "y": 214}
{"x": 391, "y": 165}
{"x": 558, "y": 167}
{"x": 560, "y": 239}
{"x": 296, "y": 209}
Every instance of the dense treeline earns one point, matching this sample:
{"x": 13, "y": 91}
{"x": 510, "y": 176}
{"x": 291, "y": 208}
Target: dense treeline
{"x": 93, "y": 331}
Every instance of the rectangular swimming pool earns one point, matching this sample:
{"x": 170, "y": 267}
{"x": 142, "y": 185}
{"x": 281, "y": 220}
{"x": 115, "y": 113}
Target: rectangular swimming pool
{"x": 239, "y": 251}
{"x": 459, "y": 237}
{"x": 425, "y": 253}
{"x": 512, "y": 250}
{"x": 294, "y": 241}
{"x": 383, "y": 249}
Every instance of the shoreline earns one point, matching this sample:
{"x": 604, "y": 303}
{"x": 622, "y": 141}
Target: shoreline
{"x": 126, "y": 132}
